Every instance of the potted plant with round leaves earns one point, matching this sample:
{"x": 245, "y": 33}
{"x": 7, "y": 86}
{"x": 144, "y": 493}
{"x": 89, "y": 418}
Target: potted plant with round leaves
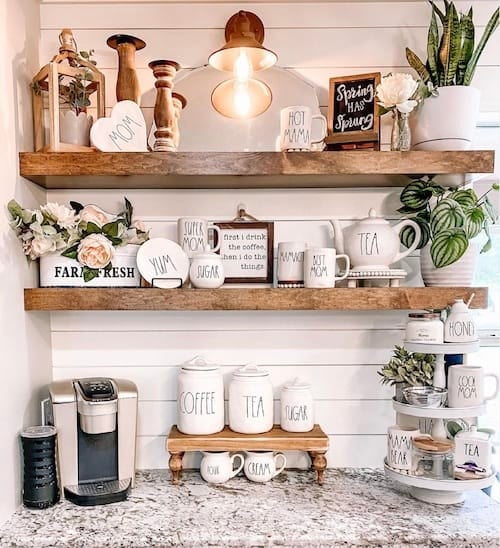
{"x": 446, "y": 120}
{"x": 407, "y": 369}
{"x": 450, "y": 220}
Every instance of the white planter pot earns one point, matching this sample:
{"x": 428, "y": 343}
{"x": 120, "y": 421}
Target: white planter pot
{"x": 446, "y": 122}
{"x": 460, "y": 273}
{"x": 59, "y": 271}
{"x": 74, "y": 129}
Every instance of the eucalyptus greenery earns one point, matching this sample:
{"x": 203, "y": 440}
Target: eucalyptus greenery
{"x": 448, "y": 218}
{"x": 452, "y": 56}
{"x": 413, "y": 368}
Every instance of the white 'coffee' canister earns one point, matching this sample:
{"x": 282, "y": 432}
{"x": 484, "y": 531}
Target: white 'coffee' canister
{"x": 250, "y": 400}
{"x": 297, "y": 407}
{"x": 200, "y": 398}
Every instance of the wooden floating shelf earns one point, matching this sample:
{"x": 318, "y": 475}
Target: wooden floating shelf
{"x": 402, "y": 298}
{"x": 315, "y": 442}
{"x": 86, "y": 170}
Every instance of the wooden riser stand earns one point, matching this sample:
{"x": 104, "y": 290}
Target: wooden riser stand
{"x": 314, "y": 442}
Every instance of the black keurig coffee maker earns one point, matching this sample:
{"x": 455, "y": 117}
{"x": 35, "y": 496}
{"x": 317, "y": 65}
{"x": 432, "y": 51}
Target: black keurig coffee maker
{"x": 96, "y": 425}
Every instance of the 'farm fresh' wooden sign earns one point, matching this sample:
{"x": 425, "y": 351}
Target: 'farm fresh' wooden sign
{"x": 352, "y": 109}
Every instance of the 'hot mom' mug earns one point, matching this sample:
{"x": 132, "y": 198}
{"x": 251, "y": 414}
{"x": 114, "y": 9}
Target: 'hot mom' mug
{"x": 296, "y": 125}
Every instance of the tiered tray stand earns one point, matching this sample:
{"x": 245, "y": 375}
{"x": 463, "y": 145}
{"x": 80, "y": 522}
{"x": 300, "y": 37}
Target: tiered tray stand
{"x": 439, "y": 491}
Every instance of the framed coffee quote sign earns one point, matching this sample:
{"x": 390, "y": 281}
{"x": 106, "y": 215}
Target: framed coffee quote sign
{"x": 353, "y": 118}
{"x": 246, "y": 249}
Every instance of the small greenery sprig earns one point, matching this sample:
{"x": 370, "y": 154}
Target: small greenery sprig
{"x": 416, "y": 369}
{"x": 448, "y": 218}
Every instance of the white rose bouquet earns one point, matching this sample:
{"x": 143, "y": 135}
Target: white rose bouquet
{"x": 85, "y": 233}
{"x": 399, "y": 92}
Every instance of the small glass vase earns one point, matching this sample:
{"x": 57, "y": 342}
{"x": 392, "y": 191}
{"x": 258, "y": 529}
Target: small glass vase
{"x": 401, "y": 133}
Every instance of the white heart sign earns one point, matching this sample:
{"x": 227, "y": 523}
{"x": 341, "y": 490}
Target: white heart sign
{"x": 124, "y": 131}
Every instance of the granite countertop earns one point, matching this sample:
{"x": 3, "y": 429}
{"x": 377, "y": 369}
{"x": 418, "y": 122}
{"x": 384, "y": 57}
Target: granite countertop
{"x": 353, "y": 508}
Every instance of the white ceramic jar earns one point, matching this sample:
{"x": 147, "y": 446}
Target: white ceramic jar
{"x": 424, "y": 327}
{"x": 207, "y": 270}
{"x": 459, "y": 326}
{"x": 297, "y": 407}
{"x": 472, "y": 454}
{"x": 250, "y": 400}
{"x": 200, "y": 398}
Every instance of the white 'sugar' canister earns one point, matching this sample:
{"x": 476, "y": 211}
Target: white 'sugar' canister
{"x": 200, "y": 398}
{"x": 250, "y": 400}
{"x": 297, "y": 408}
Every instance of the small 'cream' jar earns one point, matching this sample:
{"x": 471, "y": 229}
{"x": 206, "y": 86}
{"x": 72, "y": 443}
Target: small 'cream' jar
{"x": 297, "y": 407}
{"x": 207, "y": 270}
{"x": 251, "y": 400}
{"x": 424, "y": 327}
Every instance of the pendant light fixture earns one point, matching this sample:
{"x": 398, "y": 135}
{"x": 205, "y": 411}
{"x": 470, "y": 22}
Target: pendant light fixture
{"x": 243, "y": 54}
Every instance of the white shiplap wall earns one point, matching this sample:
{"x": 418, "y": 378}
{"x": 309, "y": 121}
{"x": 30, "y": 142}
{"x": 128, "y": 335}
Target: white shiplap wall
{"x": 338, "y": 353}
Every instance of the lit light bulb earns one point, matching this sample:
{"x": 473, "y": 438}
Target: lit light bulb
{"x": 241, "y": 99}
{"x": 242, "y": 67}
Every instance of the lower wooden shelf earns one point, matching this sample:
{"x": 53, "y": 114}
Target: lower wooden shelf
{"x": 314, "y": 442}
{"x": 360, "y": 298}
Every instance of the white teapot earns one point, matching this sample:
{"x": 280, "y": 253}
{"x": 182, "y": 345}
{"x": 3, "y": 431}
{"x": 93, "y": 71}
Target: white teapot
{"x": 372, "y": 243}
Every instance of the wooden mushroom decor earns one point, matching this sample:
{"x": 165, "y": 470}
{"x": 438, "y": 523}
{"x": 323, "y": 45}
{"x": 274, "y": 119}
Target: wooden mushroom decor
{"x": 65, "y": 85}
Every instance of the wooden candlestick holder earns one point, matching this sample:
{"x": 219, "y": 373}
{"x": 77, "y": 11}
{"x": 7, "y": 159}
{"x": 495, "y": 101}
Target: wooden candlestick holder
{"x": 179, "y": 103}
{"x": 165, "y": 117}
{"x": 127, "y": 83}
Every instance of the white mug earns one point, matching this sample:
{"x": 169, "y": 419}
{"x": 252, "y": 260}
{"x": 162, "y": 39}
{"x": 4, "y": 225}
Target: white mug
{"x": 296, "y": 128}
{"x": 261, "y": 466}
{"x": 466, "y": 386}
{"x": 291, "y": 262}
{"x": 319, "y": 267}
{"x": 192, "y": 234}
{"x": 218, "y": 466}
{"x": 399, "y": 446}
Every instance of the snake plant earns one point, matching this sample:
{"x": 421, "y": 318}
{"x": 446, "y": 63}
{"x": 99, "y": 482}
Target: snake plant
{"x": 448, "y": 218}
{"x": 452, "y": 56}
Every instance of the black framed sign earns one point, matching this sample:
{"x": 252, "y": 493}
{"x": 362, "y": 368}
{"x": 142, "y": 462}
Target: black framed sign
{"x": 352, "y": 109}
{"x": 246, "y": 249}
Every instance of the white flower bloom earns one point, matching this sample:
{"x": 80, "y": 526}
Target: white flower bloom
{"x": 94, "y": 214}
{"x": 60, "y": 214}
{"x": 139, "y": 225}
{"x": 95, "y": 251}
{"x": 395, "y": 91}
{"x": 41, "y": 246}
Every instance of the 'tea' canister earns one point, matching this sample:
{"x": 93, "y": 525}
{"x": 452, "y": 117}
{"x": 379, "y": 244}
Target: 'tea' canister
{"x": 297, "y": 408}
{"x": 200, "y": 398}
{"x": 250, "y": 400}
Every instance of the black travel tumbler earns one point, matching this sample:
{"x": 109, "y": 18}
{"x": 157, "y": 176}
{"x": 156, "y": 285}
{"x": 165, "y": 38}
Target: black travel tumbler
{"x": 40, "y": 485}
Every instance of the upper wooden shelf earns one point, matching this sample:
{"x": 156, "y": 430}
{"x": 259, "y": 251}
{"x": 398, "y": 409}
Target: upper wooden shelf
{"x": 87, "y": 170}
{"x": 403, "y": 298}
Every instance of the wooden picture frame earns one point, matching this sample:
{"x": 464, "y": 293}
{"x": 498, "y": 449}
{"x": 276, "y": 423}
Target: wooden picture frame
{"x": 241, "y": 251}
{"x": 353, "y": 114}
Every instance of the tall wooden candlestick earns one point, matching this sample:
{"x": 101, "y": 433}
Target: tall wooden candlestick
{"x": 179, "y": 103}
{"x": 127, "y": 83}
{"x": 164, "y": 111}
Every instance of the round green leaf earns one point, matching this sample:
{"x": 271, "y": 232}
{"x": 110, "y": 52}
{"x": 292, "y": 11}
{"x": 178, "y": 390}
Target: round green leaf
{"x": 474, "y": 219}
{"x": 466, "y": 198}
{"x": 448, "y": 247}
{"x": 447, "y": 214}
{"x": 407, "y": 234}
{"x": 416, "y": 194}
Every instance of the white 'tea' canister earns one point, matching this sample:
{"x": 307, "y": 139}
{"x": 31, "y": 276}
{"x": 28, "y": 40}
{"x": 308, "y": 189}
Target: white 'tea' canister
{"x": 250, "y": 400}
{"x": 297, "y": 407}
{"x": 200, "y": 398}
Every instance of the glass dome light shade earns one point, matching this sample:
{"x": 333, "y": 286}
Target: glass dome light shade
{"x": 241, "y": 100}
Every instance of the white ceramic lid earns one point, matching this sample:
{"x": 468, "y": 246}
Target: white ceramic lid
{"x": 163, "y": 263}
{"x": 296, "y": 384}
{"x": 206, "y": 255}
{"x": 472, "y": 434}
{"x": 199, "y": 363}
{"x": 373, "y": 218}
{"x": 251, "y": 370}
